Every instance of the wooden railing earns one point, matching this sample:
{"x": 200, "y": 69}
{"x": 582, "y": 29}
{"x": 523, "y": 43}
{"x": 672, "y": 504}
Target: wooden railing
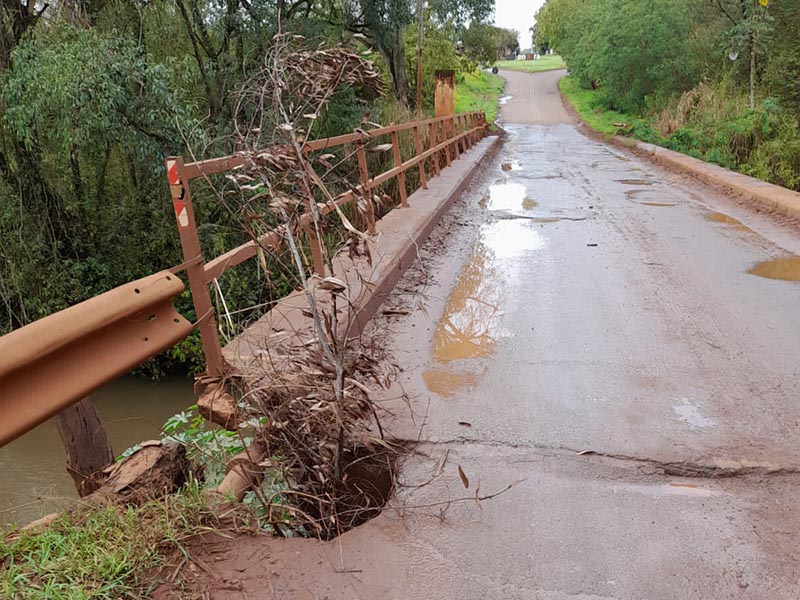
{"x": 447, "y": 138}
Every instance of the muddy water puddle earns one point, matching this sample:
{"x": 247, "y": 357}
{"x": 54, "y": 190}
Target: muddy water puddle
{"x": 718, "y": 217}
{"x": 508, "y": 196}
{"x": 471, "y": 323}
{"x": 511, "y": 166}
{"x": 785, "y": 269}
{"x": 648, "y": 203}
{"x": 635, "y": 181}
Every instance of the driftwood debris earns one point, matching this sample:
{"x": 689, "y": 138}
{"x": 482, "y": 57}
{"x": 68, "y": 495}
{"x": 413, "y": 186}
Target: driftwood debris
{"x": 154, "y": 470}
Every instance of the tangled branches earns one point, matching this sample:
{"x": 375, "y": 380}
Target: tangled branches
{"x": 317, "y": 425}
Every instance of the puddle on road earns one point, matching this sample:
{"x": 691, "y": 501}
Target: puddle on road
{"x": 717, "y": 217}
{"x": 670, "y": 489}
{"x": 506, "y": 196}
{"x": 529, "y": 204}
{"x": 512, "y": 166}
{"x": 504, "y": 100}
{"x": 659, "y": 203}
{"x": 471, "y": 322}
{"x": 635, "y": 181}
{"x": 447, "y": 383}
{"x": 785, "y": 269}
{"x": 690, "y": 414}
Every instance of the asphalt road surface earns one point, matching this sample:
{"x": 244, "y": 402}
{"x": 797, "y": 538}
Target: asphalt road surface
{"x": 588, "y": 333}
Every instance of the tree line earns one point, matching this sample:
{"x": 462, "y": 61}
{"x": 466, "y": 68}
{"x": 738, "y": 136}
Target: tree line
{"x": 719, "y": 79}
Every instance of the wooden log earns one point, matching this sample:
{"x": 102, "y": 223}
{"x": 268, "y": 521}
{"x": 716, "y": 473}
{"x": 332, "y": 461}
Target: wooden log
{"x": 154, "y": 470}
{"x": 86, "y": 445}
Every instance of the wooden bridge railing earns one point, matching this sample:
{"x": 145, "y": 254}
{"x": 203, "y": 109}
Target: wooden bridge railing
{"x": 448, "y": 137}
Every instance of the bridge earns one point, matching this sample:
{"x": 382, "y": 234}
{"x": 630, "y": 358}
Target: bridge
{"x": 603, "y": 349}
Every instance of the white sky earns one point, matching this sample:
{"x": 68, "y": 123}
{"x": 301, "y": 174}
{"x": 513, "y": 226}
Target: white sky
{"x": 517, "y": 14}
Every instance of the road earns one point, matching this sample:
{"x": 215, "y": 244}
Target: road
{"x": 588, "y": 333}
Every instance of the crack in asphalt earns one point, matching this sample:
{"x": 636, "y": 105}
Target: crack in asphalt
{"x": 719, "y": 469}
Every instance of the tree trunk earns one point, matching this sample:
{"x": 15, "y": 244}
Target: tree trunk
{"x": 86, "y": 444}
{"x": 399, "y": 70}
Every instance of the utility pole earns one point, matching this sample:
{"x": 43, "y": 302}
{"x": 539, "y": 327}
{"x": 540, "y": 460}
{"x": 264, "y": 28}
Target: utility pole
{"x": 420, "y": 32}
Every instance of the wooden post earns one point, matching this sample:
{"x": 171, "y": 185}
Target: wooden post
{"x": 444, "y": 93}
{"x": 86, "y": 444}
{"x": 432, "y": 144}
{"x": 192, "y": 254}
{"x": 423, "y": 178}
{"x": 364, "y": 174}
{"x": 401, "y": 176}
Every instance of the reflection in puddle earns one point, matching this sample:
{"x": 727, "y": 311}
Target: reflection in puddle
{"x": 529, "y": 204}
{"x": 689, "y": 413}
{"x": 786, "y": 269}
{"x": 504, "y": 99}
{"x": 659, "y": 203}
{"x": 668, "y": 489}
{"x": 506, "y": 196}
{"x": 446, "y": 383}
{"x": 718, "y": 217}
{"x": 471, "y": 321}
{"x": 635, "y": 181}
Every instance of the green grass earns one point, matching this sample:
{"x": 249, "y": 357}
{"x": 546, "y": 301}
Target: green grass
{"x": 586, "y": 104}
{"x": 545, "y": 63}
{"x": 99, "y": 553}
{"x": 479, "y": 91}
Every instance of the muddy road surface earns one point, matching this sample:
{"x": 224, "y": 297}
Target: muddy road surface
{"x": 610, "y": 349}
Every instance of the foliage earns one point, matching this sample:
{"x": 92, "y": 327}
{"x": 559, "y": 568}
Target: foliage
{"x": 100, "y": 553}
{"x": 479, "y": 90}
{"x": 681, "y": 74}
{"x": 438, "y": 53}
{"x": 483, "y": 43}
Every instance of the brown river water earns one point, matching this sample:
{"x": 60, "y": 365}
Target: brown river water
{"x": 33, "y": 480}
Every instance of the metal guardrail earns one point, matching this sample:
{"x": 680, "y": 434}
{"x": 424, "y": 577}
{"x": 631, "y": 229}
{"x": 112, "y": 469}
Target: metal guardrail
{"x": 448, "y": 137}
{"x": 52, "y": 363}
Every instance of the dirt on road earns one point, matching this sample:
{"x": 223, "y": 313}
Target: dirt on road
{"x": 601, "y": 388}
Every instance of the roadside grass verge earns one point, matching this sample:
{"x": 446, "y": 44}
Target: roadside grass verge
{"x": 711, "y": 122}
{"x": 479, "y": 91}
{"x": 545, "y": 63}
{"x": 107, "y": 552}
{"x": 586, "y": 104}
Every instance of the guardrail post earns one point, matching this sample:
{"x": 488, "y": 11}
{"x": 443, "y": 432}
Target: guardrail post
{"x": 445, "y": 129}
{"x": 193, "y": 256}
{"x": 364, "y": 174}
{"x": 423, "y": 178}
{"x": 432, "y": 144}
{"x": 401, "y": 176}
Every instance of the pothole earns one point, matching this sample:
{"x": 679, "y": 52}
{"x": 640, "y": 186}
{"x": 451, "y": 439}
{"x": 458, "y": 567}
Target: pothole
{"x": 785, "y": 269}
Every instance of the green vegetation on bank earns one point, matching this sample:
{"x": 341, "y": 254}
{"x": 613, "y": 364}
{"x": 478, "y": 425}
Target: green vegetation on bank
{"x": 587, "y": 104}
{"x": 715, "y": 80}
{"x": 106, "y": 553}
{"x": 477, "y": 91}
{"x": 545, "y": 63}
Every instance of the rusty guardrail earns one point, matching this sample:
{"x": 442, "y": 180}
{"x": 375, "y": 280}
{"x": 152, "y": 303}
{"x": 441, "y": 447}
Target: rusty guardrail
{"x": 52, "y": 363}
{"x": 448, "y": 137}
{"x": 55, "y": 361}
